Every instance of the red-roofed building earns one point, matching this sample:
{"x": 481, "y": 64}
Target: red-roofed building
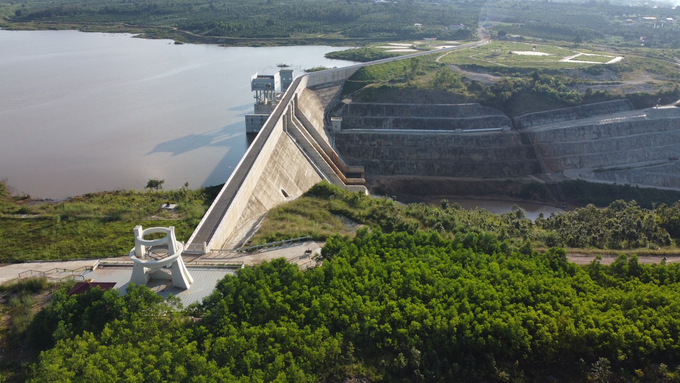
{"x": 82, "y": 287}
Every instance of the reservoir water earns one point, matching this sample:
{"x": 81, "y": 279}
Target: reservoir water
{"x": 85, "y": 112}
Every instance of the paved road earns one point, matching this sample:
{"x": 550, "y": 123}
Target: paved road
{"x": 582, "y": 259}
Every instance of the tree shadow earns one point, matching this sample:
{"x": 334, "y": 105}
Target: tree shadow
{"x": 217, "y": 138}
{"x": 229, "y": 136}
{"x": 244, "y": 109}
{"x": 241, "y": 108}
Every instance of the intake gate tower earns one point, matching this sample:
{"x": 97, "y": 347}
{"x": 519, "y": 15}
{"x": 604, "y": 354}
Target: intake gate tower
{"x": 268, "y": 91}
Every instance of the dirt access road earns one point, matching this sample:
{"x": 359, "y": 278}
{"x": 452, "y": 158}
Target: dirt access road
{"x": 608, "y": 259}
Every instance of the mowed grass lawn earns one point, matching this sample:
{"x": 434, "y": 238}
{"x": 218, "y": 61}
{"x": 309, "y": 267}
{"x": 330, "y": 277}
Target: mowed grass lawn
{"x": 497, "y": 53}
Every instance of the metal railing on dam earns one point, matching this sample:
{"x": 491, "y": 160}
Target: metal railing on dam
{"x": 260, "y": 181}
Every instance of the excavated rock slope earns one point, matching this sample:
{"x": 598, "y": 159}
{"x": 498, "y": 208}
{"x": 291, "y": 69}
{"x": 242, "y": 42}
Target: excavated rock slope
{"x": 605, "y": 141}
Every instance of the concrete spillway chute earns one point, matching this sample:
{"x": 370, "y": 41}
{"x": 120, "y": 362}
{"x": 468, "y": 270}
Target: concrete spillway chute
{"x": 159, "y": 258}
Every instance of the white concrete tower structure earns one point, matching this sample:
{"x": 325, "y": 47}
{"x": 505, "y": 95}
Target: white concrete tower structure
{"x": 159, "y": 258}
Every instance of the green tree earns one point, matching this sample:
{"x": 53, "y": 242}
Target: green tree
{"x": 447, "y": 79}
{"x": 155, "y": 184}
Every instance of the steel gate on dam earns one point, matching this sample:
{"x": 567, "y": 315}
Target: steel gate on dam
{"x": 290, "y": 154}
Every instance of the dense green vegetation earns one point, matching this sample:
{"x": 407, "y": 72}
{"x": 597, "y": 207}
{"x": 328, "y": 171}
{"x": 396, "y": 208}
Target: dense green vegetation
{"x": 388, "y": 307}
{"x": 316, "y": 69}
{"x": 324, "y": 21}
{"x": 251, "y": 22}
{"x": 360, "y": 54}
{"x": 93, "y": 225}
{"x": 621, "y": 225}
{"x": 583, "y": 193}
{"x": 18, "y": 303}
{"x": 590, "y": 21}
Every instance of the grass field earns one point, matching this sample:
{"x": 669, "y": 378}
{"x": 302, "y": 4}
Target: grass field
{"x": 502, "y": 53}
{"x": 93, "y": 225}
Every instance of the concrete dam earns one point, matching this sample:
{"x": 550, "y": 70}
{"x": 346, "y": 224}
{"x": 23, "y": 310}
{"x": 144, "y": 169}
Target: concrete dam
{"x": 313, "y": 135}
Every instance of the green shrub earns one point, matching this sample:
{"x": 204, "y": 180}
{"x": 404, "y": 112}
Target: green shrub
{"x": 29, "y": 285}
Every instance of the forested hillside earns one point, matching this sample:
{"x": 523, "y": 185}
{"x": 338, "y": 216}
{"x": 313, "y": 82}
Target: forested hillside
{"x": 322, "y": 21}
{"x": 393, "y": 307}
{"x": 269, "y": 22}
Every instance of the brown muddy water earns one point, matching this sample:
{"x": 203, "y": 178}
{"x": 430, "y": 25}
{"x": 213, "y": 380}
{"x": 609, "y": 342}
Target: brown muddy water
{"x": 86, "y": 112}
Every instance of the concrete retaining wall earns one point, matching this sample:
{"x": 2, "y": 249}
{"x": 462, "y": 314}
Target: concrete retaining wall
{"x": 312, "y": 106}
{"x": 663, "y": 112}
{"x": 568, "y": 114}
{"x": 286, "y": 171}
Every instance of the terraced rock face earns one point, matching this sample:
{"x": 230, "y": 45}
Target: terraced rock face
{"x": 421, "y": 117}
{"x": 417, "y": 110}
{"x": 495, "y": 155}
{"x": 605, "y": 141}
{"x": 596, "y": 145}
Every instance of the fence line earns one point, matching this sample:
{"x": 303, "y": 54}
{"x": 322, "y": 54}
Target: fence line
{"x": 50, "y": 274}
{"x": 272, "y": 244}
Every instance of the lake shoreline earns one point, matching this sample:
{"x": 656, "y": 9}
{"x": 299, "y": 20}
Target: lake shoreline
{"x": 104, "y": 111}
{"x": 156, "y": 33}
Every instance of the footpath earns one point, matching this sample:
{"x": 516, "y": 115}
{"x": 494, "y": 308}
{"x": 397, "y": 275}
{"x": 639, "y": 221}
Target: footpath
{"x": 300, "y": 253}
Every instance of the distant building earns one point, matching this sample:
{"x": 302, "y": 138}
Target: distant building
{"x": 513, "y": 37}
{"x": 418, "y": 25}
{"x": 455, "y": 27}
